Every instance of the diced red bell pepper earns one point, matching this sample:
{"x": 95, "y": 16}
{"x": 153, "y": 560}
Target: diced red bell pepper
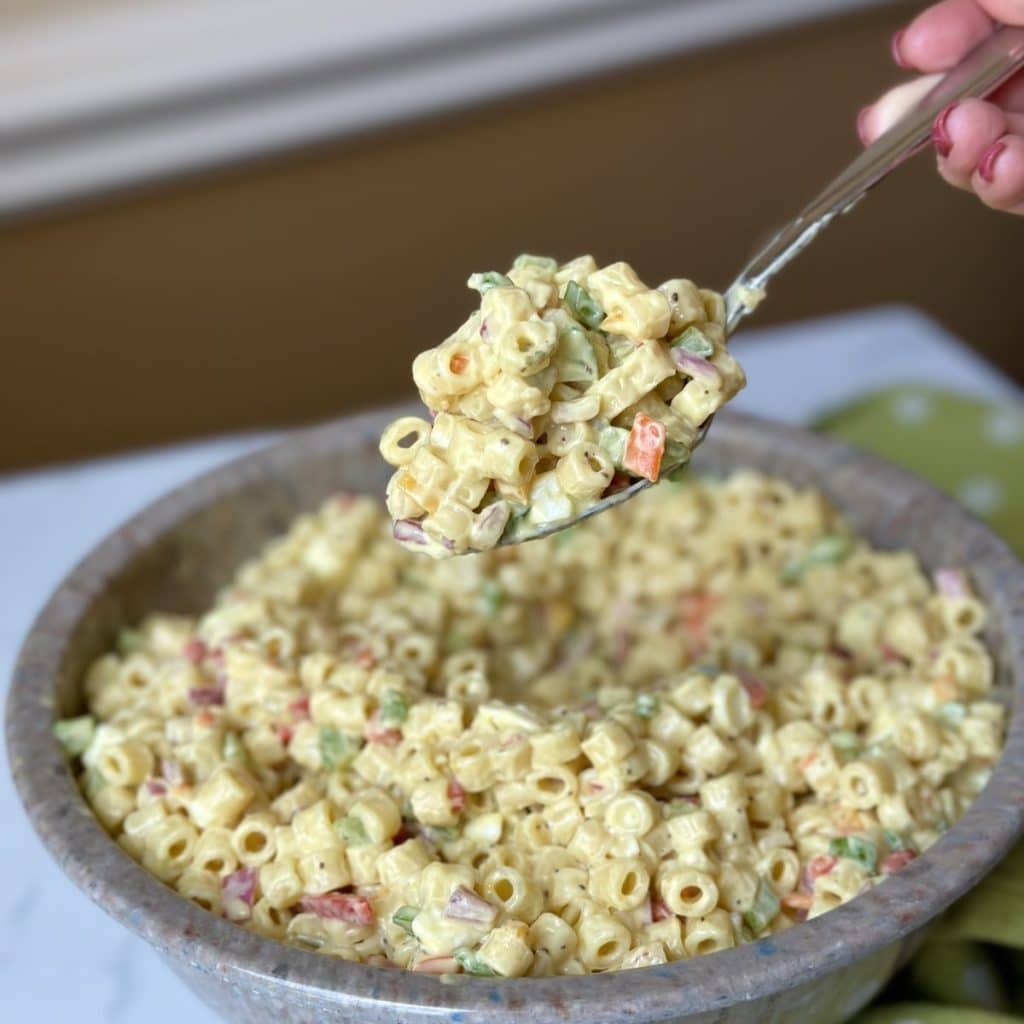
{"x": 456, "y": 796}
{"x": 340, "y": 906}
{"x": 896, "y": 861}
{"x": 644, "y": 447}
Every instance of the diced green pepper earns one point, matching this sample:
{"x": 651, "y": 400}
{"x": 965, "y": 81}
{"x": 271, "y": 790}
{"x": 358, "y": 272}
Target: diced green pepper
{"x": 130, "y": 641}
{"x": 583, "y": 306}
{"x": 826, "y": 551}
{"x": 694, "y": 341}
{"x": 646, "y": 705}
{"x": 471, "y": 963}
{"x": 352, "y": 830}
{"x": 764, "y": 909}
{"x": 394, "y": 707}
{"x": 75, "y": 734}
{"x": 487, "y": 280}
{"x": 895, "y": 841}
{"x": 492, "y": 597}
{"x": 404, "y": 917}
{"x": 337, "y": 749}
{"x": 861, "y": 851}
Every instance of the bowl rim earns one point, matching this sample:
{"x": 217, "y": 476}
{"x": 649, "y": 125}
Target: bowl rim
{"x": 177, "y": 928}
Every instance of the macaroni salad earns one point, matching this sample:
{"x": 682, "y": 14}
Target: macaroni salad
{"x": 569, "y": 383}
{"x": 689, "y": 723}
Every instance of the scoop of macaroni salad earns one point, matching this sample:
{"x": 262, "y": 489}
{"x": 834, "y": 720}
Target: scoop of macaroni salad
{"x": 569, "y": 383}
{"x": 689, "y": 723}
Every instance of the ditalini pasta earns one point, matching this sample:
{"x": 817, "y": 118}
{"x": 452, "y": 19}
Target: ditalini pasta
{"x": 569, "y": 383}
{"x": 695, "y": 721}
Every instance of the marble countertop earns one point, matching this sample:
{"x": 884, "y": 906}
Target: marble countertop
{"x": 61, "y": 958}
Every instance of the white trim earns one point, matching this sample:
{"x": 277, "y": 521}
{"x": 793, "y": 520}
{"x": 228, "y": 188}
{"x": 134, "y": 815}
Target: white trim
{"x": 115, "y": 96}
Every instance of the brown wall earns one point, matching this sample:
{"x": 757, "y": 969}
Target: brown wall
{"x": 300, "y": 288}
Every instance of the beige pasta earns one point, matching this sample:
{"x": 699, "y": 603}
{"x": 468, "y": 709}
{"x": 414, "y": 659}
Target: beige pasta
{"x": 694, "y": 721}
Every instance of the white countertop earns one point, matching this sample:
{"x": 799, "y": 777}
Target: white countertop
{"x": 112, "y": 92}
{"x": 61, "y": 959}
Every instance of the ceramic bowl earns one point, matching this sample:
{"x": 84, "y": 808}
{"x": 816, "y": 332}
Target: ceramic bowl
{"x": 174, "y": 555}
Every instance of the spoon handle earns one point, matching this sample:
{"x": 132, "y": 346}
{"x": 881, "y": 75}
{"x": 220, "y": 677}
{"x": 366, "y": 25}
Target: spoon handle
{"x": 986, "y": 67}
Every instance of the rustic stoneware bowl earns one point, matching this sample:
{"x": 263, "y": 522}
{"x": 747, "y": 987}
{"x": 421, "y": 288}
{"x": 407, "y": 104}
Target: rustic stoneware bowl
{"x": 175, "y": 554}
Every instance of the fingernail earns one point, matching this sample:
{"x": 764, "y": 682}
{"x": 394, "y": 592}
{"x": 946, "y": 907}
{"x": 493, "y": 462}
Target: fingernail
{"x": 897, "y": 56}
{"x": 987, "y": 163}
{"x": 940, "y": 131}
{"x": 862, "y": 125}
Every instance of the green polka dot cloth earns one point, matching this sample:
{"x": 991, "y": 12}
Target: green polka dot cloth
{"x": 971, "y": 970}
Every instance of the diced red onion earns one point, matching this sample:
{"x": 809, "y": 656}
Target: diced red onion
{"x": 952, "y": 583}
{"x": 340, "y": 906}
{"x": 300, "y": 709}
{"x": 239, "y": 892}
{"x": 156, "y": 787}
{"x": 756, "y": 690}
{"x": 436, "y": 965}
{"x": 466, "y": 905}
{"x": 490, "y": 524}
{"x": 195, "y": 650}
{"x": 693, "y": 365}
{"x": 205, "y": 696}
{"x": 896, "y": 861}
{"x": 408, "y": 531}
{"x": 456, "y": 796}
{"x": 172, "y": 772}
{"x": 660, "y": 910}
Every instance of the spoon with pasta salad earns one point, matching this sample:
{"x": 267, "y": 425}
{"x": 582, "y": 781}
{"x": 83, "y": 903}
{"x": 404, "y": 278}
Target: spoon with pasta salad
{"x": 573, "y": 387}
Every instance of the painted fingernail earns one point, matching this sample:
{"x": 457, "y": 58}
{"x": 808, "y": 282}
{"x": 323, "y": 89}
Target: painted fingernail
{"x": 862, "y": 125}
{"x": 897, "y": 55}
{"x": 987, "y": 163}
{"x": 940, "y": 131}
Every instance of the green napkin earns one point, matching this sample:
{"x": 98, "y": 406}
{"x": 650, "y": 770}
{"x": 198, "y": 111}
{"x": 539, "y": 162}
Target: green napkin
{"x": 972, "y": 971}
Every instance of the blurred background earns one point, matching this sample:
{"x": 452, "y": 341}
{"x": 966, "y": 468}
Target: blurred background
{"x": 217, "y": 216}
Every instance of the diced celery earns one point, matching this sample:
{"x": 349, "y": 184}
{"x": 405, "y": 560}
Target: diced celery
{"x": 492, "y": 597}
{"x": 861, "y": 851}
{"x": 694, "y": 341}
{"x": 337, "y": 749}
{"x": 846, "y": 741}
{"x": 352, "y": 830}
{"x": 895, "y": 841}
{"x": 575, "y": 358}
{"x": 233, "y": 748}
{"x": 612, "y": 441}
{"x": 826, "y": 551}
{"x": 75, "y": 734}
{"x": 952, "y": 712}
{"x": 404, "y": 917}
{"x": 764, "y": 909}
{"x": 471, "y": 963}
{"x": 583, "y": 306}
{"x": 394, "y": 707}
{"x": 646, "y": 705}
{"x": 487, "y": 280}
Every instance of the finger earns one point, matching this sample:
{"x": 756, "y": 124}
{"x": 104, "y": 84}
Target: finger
{"x": 999, "y": 177}
{"x": 961, "y": 134}
{"x": 939, "y": 37}
{"x": 1010, "y": 95}
{"x": 1009, "y": 12}
{"x": 881, "y": 116}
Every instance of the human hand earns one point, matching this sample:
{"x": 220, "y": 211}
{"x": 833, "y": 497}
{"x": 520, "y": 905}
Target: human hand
{"x": 980, "y": 143}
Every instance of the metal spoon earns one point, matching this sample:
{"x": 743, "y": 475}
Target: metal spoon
{"x": 983, "y": 70}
